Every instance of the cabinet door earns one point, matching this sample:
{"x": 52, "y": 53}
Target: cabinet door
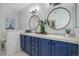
{"x": 74, "y": 49}
{"x": 22, "y": 42}
{"x": 28, "y": 44}
{"x": 44, "y": 47}
{"x": 60, "y": 49}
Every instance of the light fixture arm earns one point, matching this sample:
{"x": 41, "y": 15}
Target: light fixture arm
{"x": 33, "y": 11}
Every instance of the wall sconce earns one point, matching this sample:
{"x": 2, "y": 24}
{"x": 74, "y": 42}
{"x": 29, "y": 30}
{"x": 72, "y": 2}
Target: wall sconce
{"x": 33, "y": 11}
{"x": 54, "y": 4}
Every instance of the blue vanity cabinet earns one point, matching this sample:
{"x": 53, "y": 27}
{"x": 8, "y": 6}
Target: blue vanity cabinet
{"x": 64, "y": 49}
{"x": 60, "y": 48}
{"x": 22, "y": 42}
{"x": 35, "y": 46}
{"x": 28, "y": 44}
{"x": 74, "y": 49}
{"x": 25, "y": 43}
{"x": 44, "y": 47}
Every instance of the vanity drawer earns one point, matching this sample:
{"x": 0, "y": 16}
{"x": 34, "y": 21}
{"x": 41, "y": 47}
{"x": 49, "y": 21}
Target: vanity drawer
{"x": 35, "y": 49}
{"x": 35, "y": 53}
{"x": 35, "y": 39}
{"x": 35, "y": 45}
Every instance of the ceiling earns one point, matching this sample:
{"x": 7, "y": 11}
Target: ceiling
{"x": 12, "y": 7}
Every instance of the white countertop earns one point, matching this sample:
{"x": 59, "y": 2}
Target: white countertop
{"x": 55, "y": 37}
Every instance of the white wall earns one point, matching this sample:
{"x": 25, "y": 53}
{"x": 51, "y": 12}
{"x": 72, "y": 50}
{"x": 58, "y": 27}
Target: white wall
{"x": 78, "y": 15}
{"x": 13, "y": 41}
{"x": 77, "y": 20}
{"x": 2, "y": 23}
{"x": 44, "y": 9}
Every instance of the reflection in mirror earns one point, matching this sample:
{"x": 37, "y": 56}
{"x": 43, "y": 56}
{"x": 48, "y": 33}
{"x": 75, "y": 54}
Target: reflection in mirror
{"x": 33, "y": 22}
{"x": 58, "y": 18}
{"x": 52, "y": 23}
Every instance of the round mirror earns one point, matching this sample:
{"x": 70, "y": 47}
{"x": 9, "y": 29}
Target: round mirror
{"x": 33, "y": 22}
{"x": 58, "y": 18}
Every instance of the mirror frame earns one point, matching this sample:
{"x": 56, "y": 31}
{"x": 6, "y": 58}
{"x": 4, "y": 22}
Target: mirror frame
{"x": 52, "y": 11}
{"x": 30, "y": 22}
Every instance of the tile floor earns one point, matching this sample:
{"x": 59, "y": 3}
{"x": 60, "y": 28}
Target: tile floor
{"x": 2, "y": 52}
{"x": 19, "y": 53}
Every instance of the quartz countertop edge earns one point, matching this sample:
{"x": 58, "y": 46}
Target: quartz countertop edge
{"x": 54, "y": 37}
